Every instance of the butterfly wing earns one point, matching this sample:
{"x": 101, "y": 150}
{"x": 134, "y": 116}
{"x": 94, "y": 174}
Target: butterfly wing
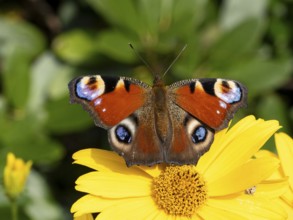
{"x": 198, "y": 108}
{"x": 211, "y": 101}
{"x": 190, "y": 138}
{"x": 135, "y": 138}
{"x": 108, "y": 99}
{"x": 123, "y": 107}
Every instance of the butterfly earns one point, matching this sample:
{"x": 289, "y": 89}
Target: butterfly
{"x": 147, "y": 125}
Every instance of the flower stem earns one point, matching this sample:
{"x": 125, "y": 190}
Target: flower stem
{"x": 14, "y": 210}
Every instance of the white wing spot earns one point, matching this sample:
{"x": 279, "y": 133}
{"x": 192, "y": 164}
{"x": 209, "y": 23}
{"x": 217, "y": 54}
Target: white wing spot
{"x": 233, "y": 95}
{"x": 223, "y": 104}
{"x": 98, "y": 101}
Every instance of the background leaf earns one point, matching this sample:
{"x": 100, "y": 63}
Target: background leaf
{"x": 17, "y": 77}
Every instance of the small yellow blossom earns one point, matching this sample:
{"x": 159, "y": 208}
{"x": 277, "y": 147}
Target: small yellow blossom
{"x": 213, "y": 189}
{"x": 16, "y": 172}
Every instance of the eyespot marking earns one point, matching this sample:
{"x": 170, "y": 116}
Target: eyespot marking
{"x": 199, "y": 134}
{"x": 123, "y": 134}
{"x": 92, "y": 80}
{"x": 89, "y": 88}
{"x": 228, "y": 91}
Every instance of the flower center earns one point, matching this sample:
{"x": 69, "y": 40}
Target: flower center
{"x": 179, "y": 190}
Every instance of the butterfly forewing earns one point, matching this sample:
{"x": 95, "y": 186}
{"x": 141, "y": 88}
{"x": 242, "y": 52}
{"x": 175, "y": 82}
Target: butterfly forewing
{"x": 212, "y": 101}
{"x": 108, "y": 99}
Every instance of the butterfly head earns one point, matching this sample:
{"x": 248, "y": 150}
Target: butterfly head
{"x": 158, "y": 81}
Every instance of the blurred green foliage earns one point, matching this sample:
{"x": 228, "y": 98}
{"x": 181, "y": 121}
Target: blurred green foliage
{"x": 44, "y": 44}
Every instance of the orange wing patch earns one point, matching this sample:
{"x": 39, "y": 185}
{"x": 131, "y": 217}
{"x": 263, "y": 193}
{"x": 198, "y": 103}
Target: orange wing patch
{"x": 212, "y": 101}
{"x": 108, "y": 99}
{"x": 114, "y": 106}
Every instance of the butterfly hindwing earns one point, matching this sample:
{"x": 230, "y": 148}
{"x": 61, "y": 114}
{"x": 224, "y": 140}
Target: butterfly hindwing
{"x": 190, "y": 138}
{"x": 135, "y": 138}
{"x": 212, "y": 101}
{"x": 108, "y": 99}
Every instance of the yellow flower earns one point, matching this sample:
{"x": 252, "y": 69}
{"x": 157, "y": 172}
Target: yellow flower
{"x": 15, "y": 175}
{"x": 84, "y": 217}
{"x": 284, "y": 145}
{"x": 214, "y": 189}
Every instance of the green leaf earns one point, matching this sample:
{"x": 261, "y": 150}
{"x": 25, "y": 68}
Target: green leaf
{"x": 49, "y": 78}
{"x": 19, "y": 34}
{"x": 186, "y": 17}
{"x": 123, "y": 14}
{"x": 149, "y": 12}
{"x": 272, "y": 106}
{"x": 116, "y": 46}
{"x": 261, "y": 76}
{"x": 16, "y": 77}
{"x": 77, "y": 47}
{"x": 191, "y": 57}
{"x": 40, "y": 201}
{"x": 27, "y": 140}
{"x": 236, "y": 43}
{"x": 235, "y": 12}
{"x": 64, "y": 117}
{"x": 281, "y": 35}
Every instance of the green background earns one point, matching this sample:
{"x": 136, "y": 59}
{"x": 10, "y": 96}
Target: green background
{"x": 44, "y": 44}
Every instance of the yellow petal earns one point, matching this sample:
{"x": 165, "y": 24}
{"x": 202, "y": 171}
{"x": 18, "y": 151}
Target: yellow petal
{"x": 278, "y": 174}
{"x": 185, "y": 218}
{"x": 84, "y": 217}
{"x": 133, "y": 209}
{"x": 160, "y": 215}
{"x": 272, "y": 188}
{"x": 196, "y": 217}
{"x": 10, "y": 160}
{"x": 211, "y": 213}
{"x": 288, "y": 208}
{"x": 265, "y": 153}
{"x": 113, "y": 185}
{"x": 93, "y": 204}
{"x": 153, "y": 171}
{"x": 243, "y": 177}
{"x": 250, "y": 207}
{"x": 288, "y": 197}
{"x": 284, "y": 146}
{"x": 104, "y": 160}
{"x": 222, "y": 138}
{"x": 240, "y": 148}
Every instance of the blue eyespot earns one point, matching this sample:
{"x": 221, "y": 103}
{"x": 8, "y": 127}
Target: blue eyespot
{"x": 199, "y": 134}
{"x": 123, "y": 134}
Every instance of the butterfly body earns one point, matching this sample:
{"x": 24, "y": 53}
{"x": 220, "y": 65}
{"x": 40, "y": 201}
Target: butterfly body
{"x": 153, "y": 124}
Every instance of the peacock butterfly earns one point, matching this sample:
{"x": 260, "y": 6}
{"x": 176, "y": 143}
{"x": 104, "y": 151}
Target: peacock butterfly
{"x": 147, "y": 125}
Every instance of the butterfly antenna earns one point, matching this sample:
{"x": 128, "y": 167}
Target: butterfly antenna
{"x": 174, "y": 61}
{"x": 141, "y": 58}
